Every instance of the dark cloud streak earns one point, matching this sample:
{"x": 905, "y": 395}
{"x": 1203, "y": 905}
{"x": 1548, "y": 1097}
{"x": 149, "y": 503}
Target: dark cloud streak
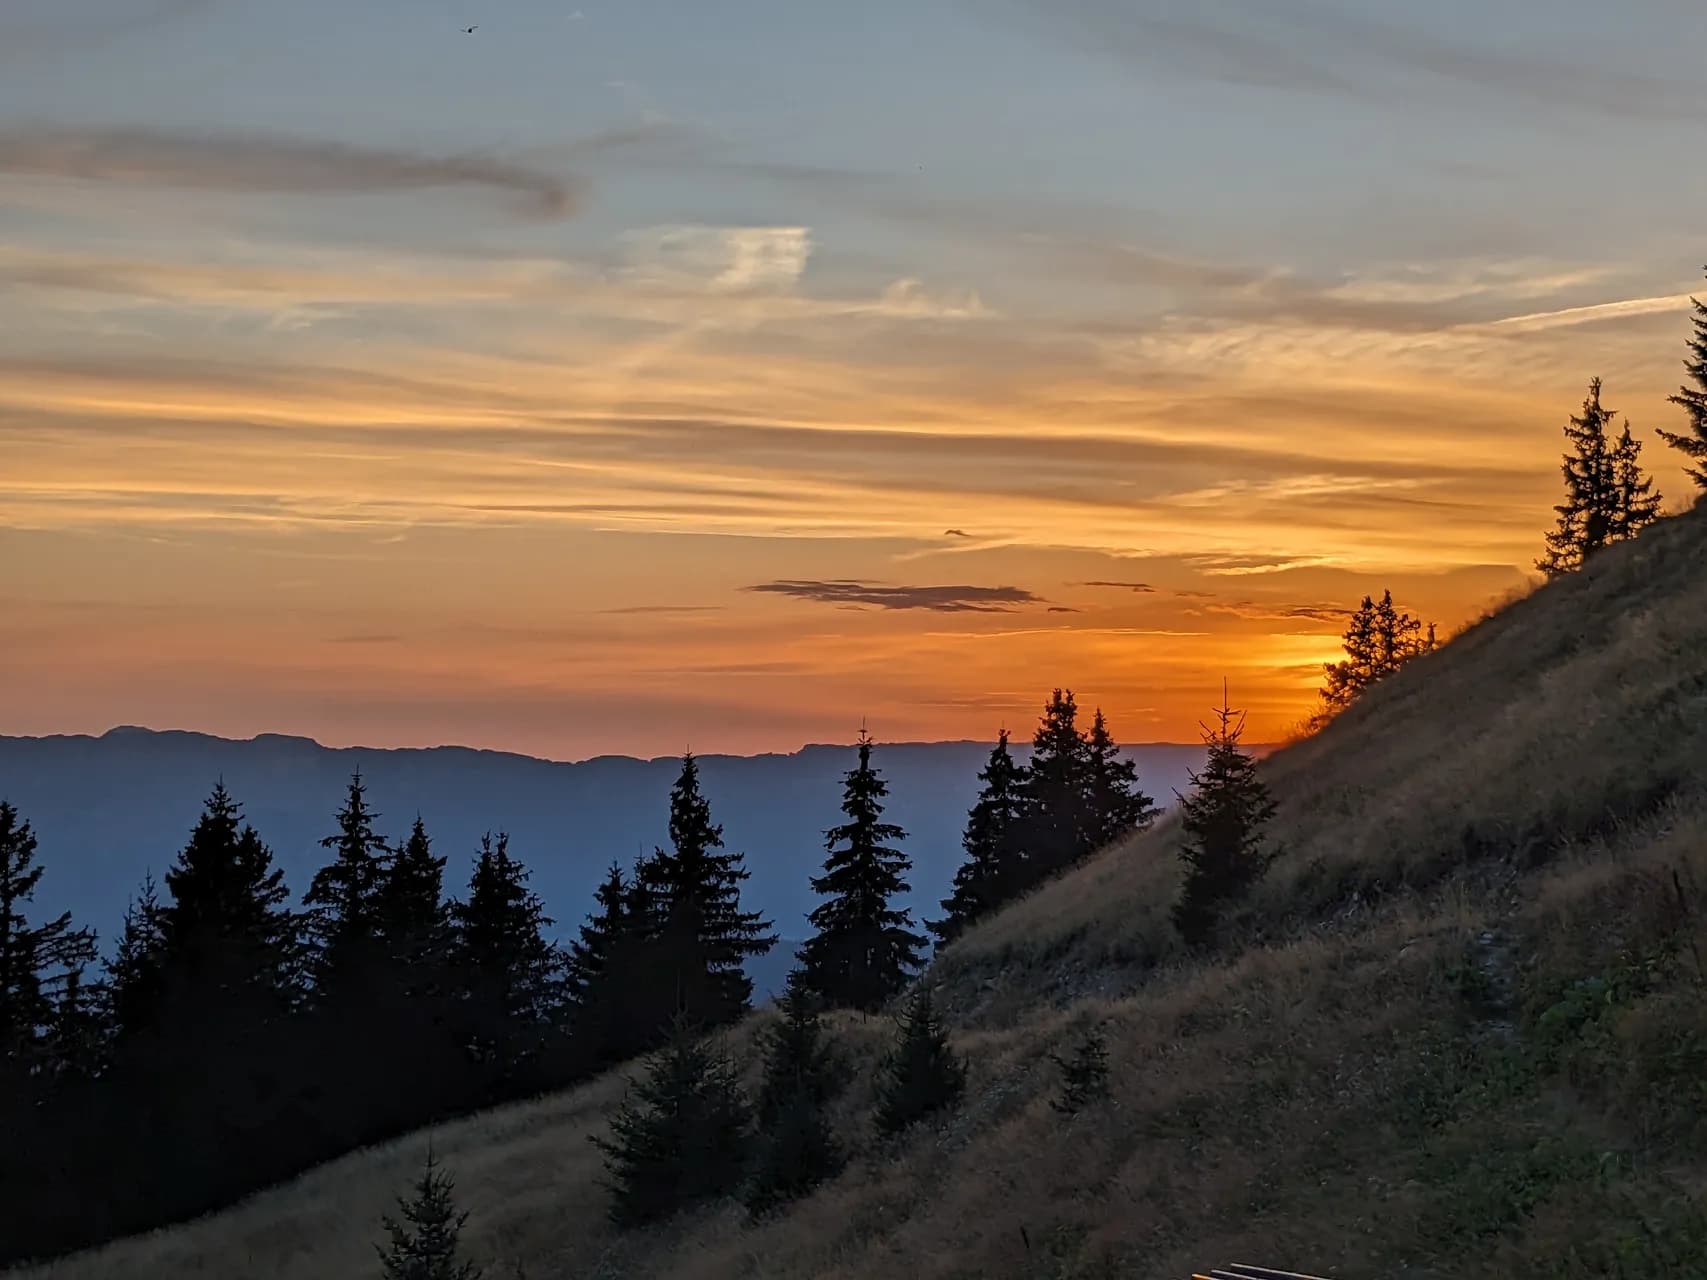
{"x": 269, "y": 164}
{"x": 846, "y": 593}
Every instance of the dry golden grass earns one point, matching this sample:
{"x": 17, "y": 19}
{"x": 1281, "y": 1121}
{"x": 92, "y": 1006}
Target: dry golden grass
{"x": 1461, "y": 1030}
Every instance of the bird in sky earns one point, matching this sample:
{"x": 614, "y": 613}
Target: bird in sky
{"x": 468, "y": 31}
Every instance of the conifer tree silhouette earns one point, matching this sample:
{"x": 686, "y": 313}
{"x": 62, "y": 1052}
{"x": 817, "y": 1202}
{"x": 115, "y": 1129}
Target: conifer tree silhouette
{"x": 412, "y": 915}
{"x": 228, "y": 933}
{"x": 613, "y": 1006}
{"x": 994, "y": 867}
{"x": 1379, "y": 639}
{"x": 1058, "y": 830}
{"x": 1115, "y": 804}
{"x": 133, "y": 985}
{"x": 682, "y": 1135}
{"x": 687, "y": 901}
{"x": 33, "y": 959}
{"x": 796, "y": 1149}
{"x": 921, "y": 1075}
{"x": 1222, "y": 821}
{"x": 1692, "y": 441}
{"x": 346, "y": 894}
{"x": 510, "y": 973}
{"x": 1607, "y": 498}
{"x": 864, "y": 948}
{"x": 426, "y": 1243}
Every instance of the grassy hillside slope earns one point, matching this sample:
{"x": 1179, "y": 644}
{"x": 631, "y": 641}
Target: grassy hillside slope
{"x": 1460, "y": 1031}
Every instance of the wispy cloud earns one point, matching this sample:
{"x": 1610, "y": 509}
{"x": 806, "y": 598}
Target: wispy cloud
{"x": 946, "y": 599}
{"x": 1244, "y": 566}
{"x": 1623, "y": 310}
{"x": 1318, "y": 47}
{"x": 1139, "y": 587}
{"x": 722, "y": 259}
{"x": 271, "y": 164}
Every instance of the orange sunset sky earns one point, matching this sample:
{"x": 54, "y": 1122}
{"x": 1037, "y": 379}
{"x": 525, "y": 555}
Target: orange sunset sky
{"x": 627, "y": 377}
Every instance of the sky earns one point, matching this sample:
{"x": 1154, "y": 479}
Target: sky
{"x": 627, "y": 377}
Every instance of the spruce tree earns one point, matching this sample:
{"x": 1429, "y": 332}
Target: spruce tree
{"x": 346, "y": 892}
{"x": 795, "y": 1149}
{"x": 1692, "y": 442}
{"x": 1607, "y": 499}
{"x": 134, "y": 974}
{"x": 646, "y": 990}
{"x": 509, "y": 971}
{"x": 1057, "y": 791}
{"x": 410, "y": 912}
{"x": 993, "y": 870}
{"x": 692, "y": 914}
{"x": 33, "y": 960}
{"x": 399, "y": 1031}
{"x": 1222, "y": 821}
{"x": 1084, "y": 1076}
{"x": 1379, "y": 639}
{"x": 589, "y": 960}
{"x": 797, "y": 1056}
{"x": 864, "y": 949}
{"x": 1115, "y": 804}
{"x": 921, "y": 1074}
{"x": 426, "y": 1244}
{"x": 228, "y": 933}
{"x": 1635, "y": 504}
{"x": 610, "y": 1006}
{"x": 681, "y": 1137}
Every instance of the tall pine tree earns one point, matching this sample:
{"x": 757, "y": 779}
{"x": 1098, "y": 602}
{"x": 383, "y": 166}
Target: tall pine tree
{"x": 228, "y": 934}
{"x": 994, "y": 867}
{"x": 1222, "y": 821}
{"x": 1115, "y": 804}
{"x": 34, "y": 960}
{"x": 409, "y": 907}
{"x": 1057, "y": 790}
{"x": 864, "y": 949}
{"x": 1635, "y": 504}
{"x": 1607, "y": 499}
{"x": 699, "y": 934}
{"x": 510, "y": 973}
{"x": 611, "y": 1006}
{"x": 346, "y": 892}
{"x": 1692, "y": 442}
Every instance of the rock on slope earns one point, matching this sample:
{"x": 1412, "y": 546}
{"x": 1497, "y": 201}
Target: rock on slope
{"x": 1461, "y": 1030}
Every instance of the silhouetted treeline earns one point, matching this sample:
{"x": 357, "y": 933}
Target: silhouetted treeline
{"x": 1031, "y": 822}
{"x": 234, "y": 1040}
{"x": 231, "y": 1038}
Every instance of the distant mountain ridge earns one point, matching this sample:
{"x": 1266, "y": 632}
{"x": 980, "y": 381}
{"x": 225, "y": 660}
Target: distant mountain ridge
{"x": 112, "y": 808}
